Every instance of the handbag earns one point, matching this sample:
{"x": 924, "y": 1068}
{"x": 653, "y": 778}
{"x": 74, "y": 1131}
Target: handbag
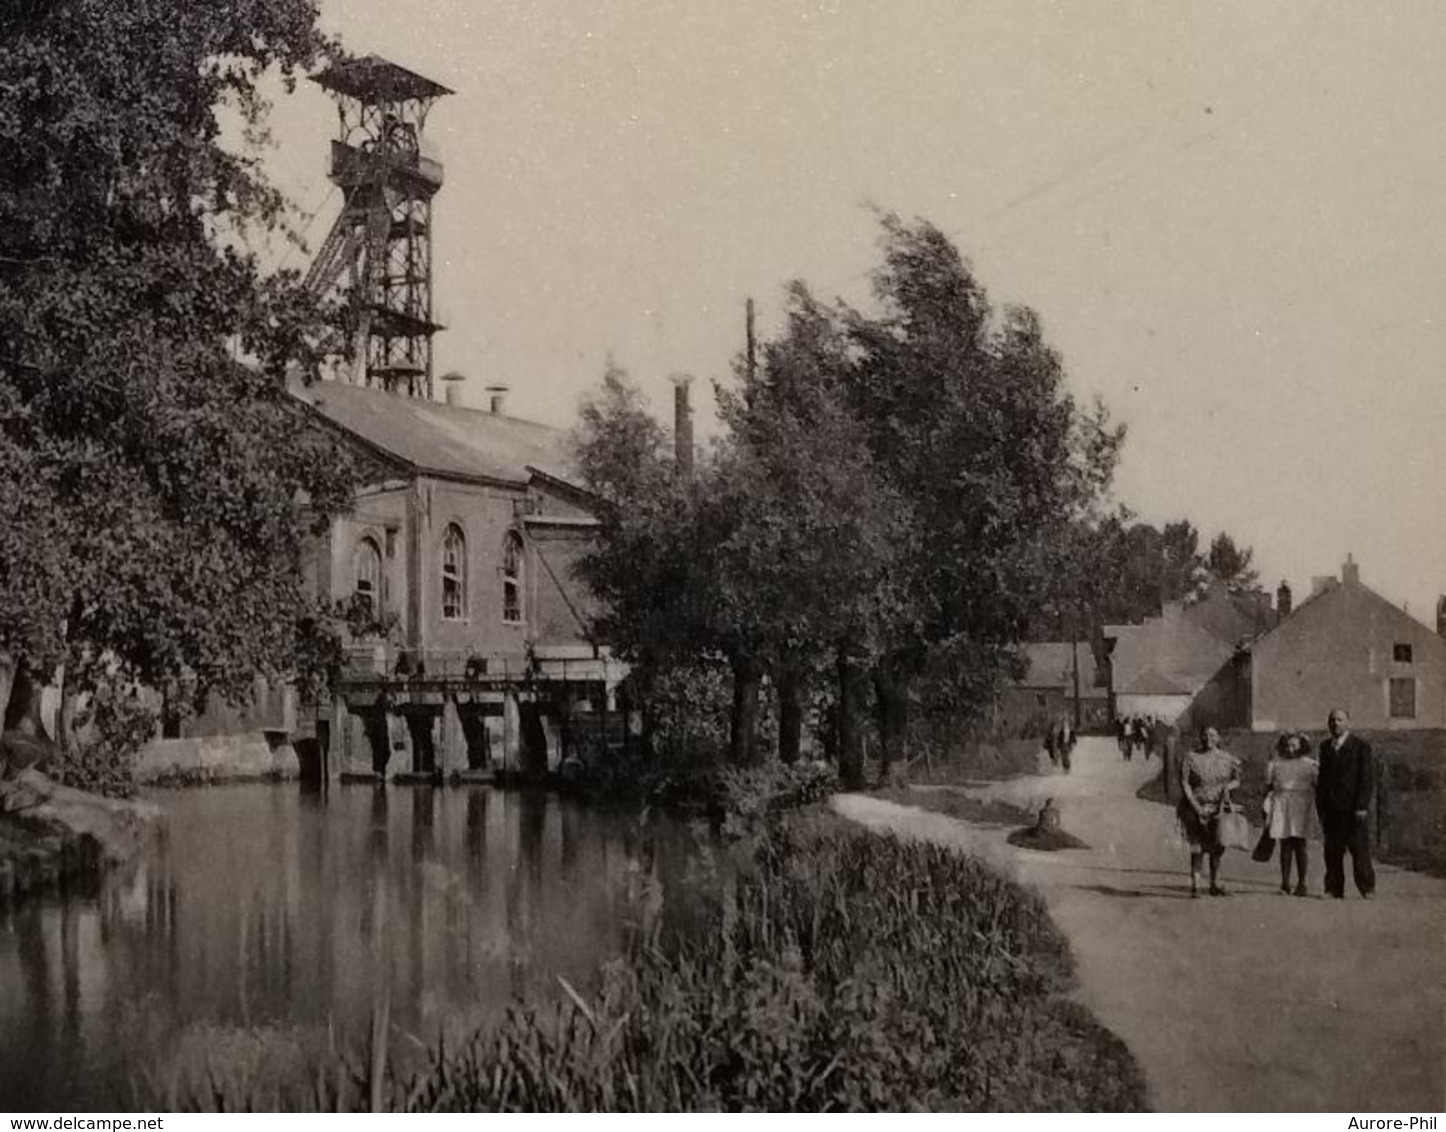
{"x": 1232, "y": 831}
{"x": 1265, "y": 847}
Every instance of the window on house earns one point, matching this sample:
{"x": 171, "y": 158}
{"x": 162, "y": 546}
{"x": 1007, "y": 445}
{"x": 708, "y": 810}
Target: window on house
{"x": 1403, "y": 698}
{"x": 512, "y": 578}
{"x": 1401, "y": 654}
{"x": 454, "y": 574}
{"x": 367, "y": 572}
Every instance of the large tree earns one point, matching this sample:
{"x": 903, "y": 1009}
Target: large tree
{"x": 884, "y": 502}
{"x": 808, "y": 570}
{"x": 1232, "y": 564}
{"x": 646, "y": 565}
{"x": 151, "y": 460}
{"x": 969, "y": 418}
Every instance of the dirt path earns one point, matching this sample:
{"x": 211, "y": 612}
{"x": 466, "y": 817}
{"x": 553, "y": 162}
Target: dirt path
{"x": 1252, "y": 1002}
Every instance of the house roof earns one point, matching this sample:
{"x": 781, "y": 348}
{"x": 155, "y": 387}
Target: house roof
{"x": 1051, "y": 665}
{"x": 1153, "y": 682}
{"x": 1186, "y": 655}
{"x": 440, "y": 439}
{"x": 1232, "y": 618}
{"x": 1330, "y": 600}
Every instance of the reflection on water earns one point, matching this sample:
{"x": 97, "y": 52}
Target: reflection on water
{"x": 270, "y": 908}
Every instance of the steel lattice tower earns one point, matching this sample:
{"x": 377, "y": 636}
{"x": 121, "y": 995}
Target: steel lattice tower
{"x": 377, "y": 258}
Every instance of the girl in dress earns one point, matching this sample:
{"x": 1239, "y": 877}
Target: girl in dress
{"x": 1290, "y": 802}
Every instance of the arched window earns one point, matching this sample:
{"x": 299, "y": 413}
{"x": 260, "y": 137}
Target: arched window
{"x": 367, "y": 571}
{"x": 454, "y": 574}
{"x": 512, "y": 563}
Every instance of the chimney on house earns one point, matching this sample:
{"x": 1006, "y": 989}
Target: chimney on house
{"x": 682, "y": 425}
{"x": 1350, "y": 572}
{"x": 1441, "y": 616}
{"x": 1322, "y": 582}
{"x": 496, "y": 395}
{"x": 452, "y": 383}
{"x": 1282, "y": 600}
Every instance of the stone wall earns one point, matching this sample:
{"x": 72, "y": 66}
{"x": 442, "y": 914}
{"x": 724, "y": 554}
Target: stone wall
{"x": 217, "y": 758}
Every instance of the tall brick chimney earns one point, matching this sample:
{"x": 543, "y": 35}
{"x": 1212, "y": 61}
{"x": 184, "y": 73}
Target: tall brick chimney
{"x": 682, "y": 425}
{"x": 1350, "y": 572}
{"x": 1283, "y": 600}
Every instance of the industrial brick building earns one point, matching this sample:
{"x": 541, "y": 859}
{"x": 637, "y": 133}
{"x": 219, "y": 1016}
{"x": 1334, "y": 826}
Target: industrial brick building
{"x": 466, "y": 533}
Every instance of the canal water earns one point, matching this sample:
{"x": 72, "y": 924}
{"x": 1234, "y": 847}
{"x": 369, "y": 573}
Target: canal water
{"x": 262, "y": 924}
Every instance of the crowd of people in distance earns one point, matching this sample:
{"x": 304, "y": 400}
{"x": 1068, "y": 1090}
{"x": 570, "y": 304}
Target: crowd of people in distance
{"x": 1331, "y": 791}
{"x": 1144, "y": 735}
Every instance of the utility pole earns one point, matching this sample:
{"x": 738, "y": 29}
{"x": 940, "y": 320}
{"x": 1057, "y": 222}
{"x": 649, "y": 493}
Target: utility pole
{"x": 1074, "y": 656}
{"x": 752, "y": 340}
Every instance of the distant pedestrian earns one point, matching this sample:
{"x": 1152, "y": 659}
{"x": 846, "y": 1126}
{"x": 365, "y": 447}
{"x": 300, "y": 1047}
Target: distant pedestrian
{"x": 1343, "y": 801}
{"x": 1207, "y": 776}
{"x": 1159, "y": 736}
{"x": 1122, "y": 736}
{"x": 1290, "y": 782}
{"x": 1064, "y": 740}
{"x": 1168, "y": 744}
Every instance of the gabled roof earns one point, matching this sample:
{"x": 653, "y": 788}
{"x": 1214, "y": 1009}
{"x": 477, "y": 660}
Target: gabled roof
{"x": 1330, "y": 601}
{"x": 438, "y": 439}
{"x": 1186, "y": 655}
{"x": 1233, "y": 618}
{"x": 1153, "y": 682}
{"x": 1051, "y": 665}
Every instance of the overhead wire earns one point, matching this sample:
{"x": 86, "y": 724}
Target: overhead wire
{"x": 1117, "y": 151}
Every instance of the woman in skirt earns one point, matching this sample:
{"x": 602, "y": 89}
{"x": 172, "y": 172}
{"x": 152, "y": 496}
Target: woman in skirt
{"x": 1207, "y": 775}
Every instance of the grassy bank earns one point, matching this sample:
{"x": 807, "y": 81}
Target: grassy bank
{"x": 992, "y": 760}
{"x": 1409, "y": 819}
{"x": 957, "y": 804}
{"x": 842, "y": 971}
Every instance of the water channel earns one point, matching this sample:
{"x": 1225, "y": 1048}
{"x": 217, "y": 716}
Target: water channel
{"x": 265, "y": 917}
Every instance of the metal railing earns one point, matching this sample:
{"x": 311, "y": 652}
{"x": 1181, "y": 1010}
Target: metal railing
{"x": 381, "y": 662}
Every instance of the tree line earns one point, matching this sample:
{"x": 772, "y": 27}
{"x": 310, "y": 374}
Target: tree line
{"x": 882, "y": 517}
{"x": 898, "y": 498}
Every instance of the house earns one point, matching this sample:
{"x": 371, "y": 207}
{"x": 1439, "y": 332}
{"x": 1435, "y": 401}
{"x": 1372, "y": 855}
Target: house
{"x": 1170, "y": 667}
{"x": 1046, "y": 691}
{"x": 1184, "y": 666}
{"x": 464, "y": 535}
{"x": 1347, "y": 646}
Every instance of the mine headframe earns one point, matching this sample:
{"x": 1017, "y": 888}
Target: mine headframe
{"x": 376, "y": 262}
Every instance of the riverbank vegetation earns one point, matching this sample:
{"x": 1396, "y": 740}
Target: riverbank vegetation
{"x": 839, "y": 970}
{"x": 148, "y": 479}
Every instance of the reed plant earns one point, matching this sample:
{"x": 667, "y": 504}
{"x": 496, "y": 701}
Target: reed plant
{"x": 841, "y": 970}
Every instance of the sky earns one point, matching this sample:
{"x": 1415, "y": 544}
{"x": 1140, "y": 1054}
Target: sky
{"x": 1230, "y": 216}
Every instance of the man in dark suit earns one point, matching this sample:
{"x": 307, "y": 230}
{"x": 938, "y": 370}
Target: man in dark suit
{"x": 1343, "y": 801}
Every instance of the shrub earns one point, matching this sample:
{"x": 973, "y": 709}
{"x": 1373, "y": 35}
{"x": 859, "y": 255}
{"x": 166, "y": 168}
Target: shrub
{"x": 841, "y": 971}
{"x": 102, "y": 757}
